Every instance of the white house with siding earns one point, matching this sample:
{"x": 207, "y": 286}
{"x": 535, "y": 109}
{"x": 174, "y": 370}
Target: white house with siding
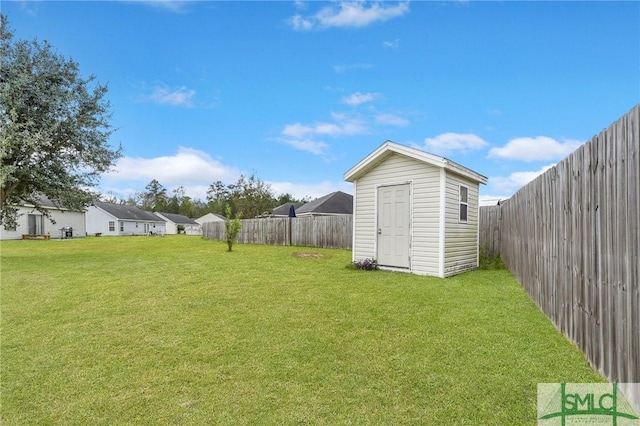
{"x": 109, "y": 219}
{"x": 415, "y": 212}
{"x": 174, "y": 221}
{"x": 31, "y": 223}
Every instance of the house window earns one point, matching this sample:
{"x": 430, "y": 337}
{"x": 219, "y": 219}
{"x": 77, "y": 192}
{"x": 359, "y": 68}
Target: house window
{"x": 35, "y": 224}
{"x": 464, "y": 203}
{"x": 121, "y": 226}
{"x": 112, "y": 226}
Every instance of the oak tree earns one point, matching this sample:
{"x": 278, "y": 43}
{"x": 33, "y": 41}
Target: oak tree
{"x": 54, "y": 128}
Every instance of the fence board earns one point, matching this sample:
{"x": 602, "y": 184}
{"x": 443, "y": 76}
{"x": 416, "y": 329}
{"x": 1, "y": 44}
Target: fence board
{"x": 571, "y": 238}
{"x": 489, "y": 230}
{"x": 334, "y": 231}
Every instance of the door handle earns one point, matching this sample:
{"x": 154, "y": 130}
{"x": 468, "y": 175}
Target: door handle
{"x": 379, "y": 231}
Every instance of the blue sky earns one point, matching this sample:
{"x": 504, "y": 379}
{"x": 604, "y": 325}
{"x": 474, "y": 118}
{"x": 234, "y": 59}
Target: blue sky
{"x": 299, "y": 92}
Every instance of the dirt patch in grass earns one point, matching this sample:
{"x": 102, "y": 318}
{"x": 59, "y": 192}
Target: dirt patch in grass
{"x": 308, "y": 255}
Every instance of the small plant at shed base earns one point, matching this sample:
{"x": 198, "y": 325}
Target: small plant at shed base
{"x": 232, "y": 228}
{"x": 366, "y": 264}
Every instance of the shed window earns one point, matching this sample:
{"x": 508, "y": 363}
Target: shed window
{"x": 112, "y": 226}
{"x": 121, "y": 226}
{"x": 464, "y": 203}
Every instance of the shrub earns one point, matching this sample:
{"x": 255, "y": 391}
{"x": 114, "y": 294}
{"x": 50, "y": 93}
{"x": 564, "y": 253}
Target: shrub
{"x": 232, "y": 228}
{"x": 366, "y": 264}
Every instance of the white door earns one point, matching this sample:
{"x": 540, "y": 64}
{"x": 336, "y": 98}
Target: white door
{"x": 393, "y": 226}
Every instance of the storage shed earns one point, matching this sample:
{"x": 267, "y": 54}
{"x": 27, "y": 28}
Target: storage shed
{"x": 415, "y": 211}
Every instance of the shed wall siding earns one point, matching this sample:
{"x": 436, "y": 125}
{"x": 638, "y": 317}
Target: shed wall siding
{"x": 424, "y": 211}
{"x": 461, "y": 239}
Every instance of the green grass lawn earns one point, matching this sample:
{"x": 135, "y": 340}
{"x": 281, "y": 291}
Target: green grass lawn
{"x": 175, "y": 330}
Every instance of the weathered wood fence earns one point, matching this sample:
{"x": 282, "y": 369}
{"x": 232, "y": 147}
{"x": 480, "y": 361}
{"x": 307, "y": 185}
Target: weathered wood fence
{"x": 334, "y": 231}
{"x": 571, "y": 238}
{"x": 489, "y": 222}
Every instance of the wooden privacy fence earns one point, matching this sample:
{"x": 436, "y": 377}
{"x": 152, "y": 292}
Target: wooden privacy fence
{"x": 334, "y": 231}
{"x": 489, "y": 236}
{"x": 571, "y": 239}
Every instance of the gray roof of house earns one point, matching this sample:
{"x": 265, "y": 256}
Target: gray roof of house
{"x": 44, "y": 201}
{"x": 335, "y": 203}
{"x": 178, "y": 218}
{"x": 283, "y": 210}
{"x": 127, "y": 212}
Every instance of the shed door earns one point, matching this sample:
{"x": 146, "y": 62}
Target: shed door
{"x": 393, "y": 226}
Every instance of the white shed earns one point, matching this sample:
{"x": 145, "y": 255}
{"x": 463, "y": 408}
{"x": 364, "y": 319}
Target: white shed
{"x": 415, "y": 212}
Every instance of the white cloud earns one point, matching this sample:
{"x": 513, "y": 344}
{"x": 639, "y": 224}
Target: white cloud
{"x": 312, "y": 190}
{"x": 308, "y": 145}
{"x": 343, "y": 126}
{"x": 179, "y": 97}
{"x": 349, "y": 14}
{"x": 454, "y": 142}
{"x": 304, "y": 136}
{"x": 541, "y": 148}
{"x": 358, "y": 98}
{"x": 177, "y": 6}
{"x": 510, "y": 184}
{"x": 299, "y": 23}
{"x": 341, "y": 69}
{"x": 185, "y": 167}
{"x": 391, "y": 44}
{"x": 391, "y": 120}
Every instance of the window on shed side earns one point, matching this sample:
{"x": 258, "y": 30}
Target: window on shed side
{"x": 464, "y": 203}
{"x": 121, "y": 226}
{"x": 112, "y": 226}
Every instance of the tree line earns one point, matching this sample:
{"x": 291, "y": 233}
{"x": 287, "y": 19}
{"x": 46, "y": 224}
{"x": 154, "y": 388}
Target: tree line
{"x": 248, "y": 197}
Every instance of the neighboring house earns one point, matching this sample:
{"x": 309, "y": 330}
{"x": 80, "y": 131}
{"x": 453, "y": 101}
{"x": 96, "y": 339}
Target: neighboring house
{"x": 283, "y": 210}
{"x": 332, "y": 204}
{"x": 33, "y": 224}
{"x": 415, "y": 212}
{"x": 191, "y": 227}
{"x": 210, "y": 217}
{"x": 110, "y": 219}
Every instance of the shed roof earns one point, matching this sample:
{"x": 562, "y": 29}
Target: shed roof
{"x": 127, "y": 212}
{"x": 389, "y": 148}
{"x": 335, "y": 203}
{"x": 177, "y": 218}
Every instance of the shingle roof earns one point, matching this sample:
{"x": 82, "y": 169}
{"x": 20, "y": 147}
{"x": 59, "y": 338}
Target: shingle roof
{"x": 335, "y": 203}
{"x": 45, "y": 201}
{"x": 127, "y": 212}
{"x": 283, "y": 210}
{"x": 178, "y": 218}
